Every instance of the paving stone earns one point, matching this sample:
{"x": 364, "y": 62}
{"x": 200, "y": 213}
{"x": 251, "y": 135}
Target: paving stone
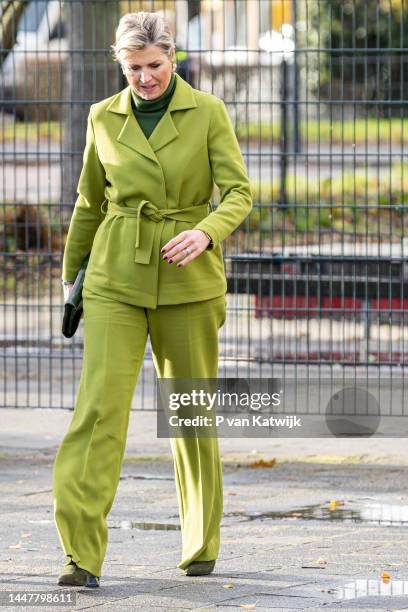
{"x": 280, "y": 563}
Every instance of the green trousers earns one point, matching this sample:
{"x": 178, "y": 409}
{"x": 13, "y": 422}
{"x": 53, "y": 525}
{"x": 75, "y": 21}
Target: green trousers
{"x": 184, "y": 340}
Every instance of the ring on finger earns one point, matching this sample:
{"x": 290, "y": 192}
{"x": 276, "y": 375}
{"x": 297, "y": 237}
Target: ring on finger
{"x": 187, "y": 251}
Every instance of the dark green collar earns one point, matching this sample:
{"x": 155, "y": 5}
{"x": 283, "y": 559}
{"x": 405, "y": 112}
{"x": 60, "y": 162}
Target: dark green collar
{"x": 157, "y": 103}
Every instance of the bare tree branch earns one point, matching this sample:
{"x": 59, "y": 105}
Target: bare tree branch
{"x": 10, "y": 15}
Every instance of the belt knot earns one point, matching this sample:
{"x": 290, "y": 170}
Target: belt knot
{"x": 191, "y": 214}
{"x": 153, "y": 215}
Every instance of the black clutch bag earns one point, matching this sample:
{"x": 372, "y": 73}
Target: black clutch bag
{"x": 73, "y": 306}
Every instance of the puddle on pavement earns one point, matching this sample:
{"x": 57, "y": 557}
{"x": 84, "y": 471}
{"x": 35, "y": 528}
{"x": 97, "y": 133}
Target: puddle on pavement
{"x": 346, "y": 511}
{"x": 143, "y": 526}
{"x": 371, "y": 588}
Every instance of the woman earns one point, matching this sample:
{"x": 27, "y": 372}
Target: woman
{"x": 153, "y": 152}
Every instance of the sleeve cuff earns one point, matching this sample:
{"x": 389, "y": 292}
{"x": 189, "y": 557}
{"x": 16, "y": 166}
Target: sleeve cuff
{"x": 203, "y": 226}
{"x": 210, "y": 244}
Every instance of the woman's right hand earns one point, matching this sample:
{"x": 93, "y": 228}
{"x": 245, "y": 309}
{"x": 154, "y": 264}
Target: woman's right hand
{"x": 67, "y": 289}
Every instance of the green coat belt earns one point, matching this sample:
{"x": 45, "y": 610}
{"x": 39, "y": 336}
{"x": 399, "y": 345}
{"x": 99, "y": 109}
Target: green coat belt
{"x": 135, "y": 194}
{"x": 152, "y": 231}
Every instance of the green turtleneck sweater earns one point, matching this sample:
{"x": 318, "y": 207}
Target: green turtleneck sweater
{"x": 149, "y": 112}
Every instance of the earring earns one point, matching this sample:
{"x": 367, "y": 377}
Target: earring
{"x": 174, "y": 67}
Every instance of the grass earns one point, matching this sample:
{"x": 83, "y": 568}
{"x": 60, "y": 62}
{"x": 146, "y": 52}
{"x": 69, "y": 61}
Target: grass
{"x": 349, "y": 204}
{"x": 5, "y": 456}
{"x": 31, "y": 131}
{"x": 349, "y": 131}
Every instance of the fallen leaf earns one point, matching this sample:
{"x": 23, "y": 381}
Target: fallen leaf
{"x": 248, "y": 606}
{"x": 386, "y": 577}
{"x": 335, "y": 503}
{"x": 262, "y": 463}
{"x": 228, "y": 586}
{"x": 231, "y": 493}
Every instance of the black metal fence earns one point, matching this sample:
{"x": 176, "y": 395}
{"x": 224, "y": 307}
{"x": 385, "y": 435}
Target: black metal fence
{"x": 317, "y": 91}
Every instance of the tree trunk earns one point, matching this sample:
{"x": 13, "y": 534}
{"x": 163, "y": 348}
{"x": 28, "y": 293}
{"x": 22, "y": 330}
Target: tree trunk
{"x": 91, "y": 76}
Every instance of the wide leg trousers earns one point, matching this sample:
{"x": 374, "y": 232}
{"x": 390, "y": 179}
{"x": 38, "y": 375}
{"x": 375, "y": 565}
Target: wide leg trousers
{"x": 184, "y": 340}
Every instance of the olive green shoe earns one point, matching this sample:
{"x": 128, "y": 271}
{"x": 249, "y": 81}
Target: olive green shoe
{"x": 200, "y": 568}
{"x": 73, "y": 575}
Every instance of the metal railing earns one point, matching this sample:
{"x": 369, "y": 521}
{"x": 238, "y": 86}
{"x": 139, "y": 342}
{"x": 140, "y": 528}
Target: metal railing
{"x": 317, "y": 92}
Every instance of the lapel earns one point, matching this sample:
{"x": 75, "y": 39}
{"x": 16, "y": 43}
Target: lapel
{"x": 131, "y": 134}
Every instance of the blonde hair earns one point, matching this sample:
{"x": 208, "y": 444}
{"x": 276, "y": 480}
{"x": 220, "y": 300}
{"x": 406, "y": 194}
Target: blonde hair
{"x": 138, "y": 30}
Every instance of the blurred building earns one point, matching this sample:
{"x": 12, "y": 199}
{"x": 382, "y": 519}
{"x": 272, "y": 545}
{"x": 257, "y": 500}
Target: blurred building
{"x": 221, "y": 44}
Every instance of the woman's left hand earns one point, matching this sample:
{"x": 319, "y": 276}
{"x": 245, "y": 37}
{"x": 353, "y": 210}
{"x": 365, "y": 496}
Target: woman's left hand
{"x": 185, "y": 247}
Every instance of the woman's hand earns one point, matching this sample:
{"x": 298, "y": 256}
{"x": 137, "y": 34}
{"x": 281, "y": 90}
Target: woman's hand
{"x": 185, "y": 247}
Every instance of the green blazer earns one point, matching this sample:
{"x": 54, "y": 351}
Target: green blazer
{"x": 136, "y": 194}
